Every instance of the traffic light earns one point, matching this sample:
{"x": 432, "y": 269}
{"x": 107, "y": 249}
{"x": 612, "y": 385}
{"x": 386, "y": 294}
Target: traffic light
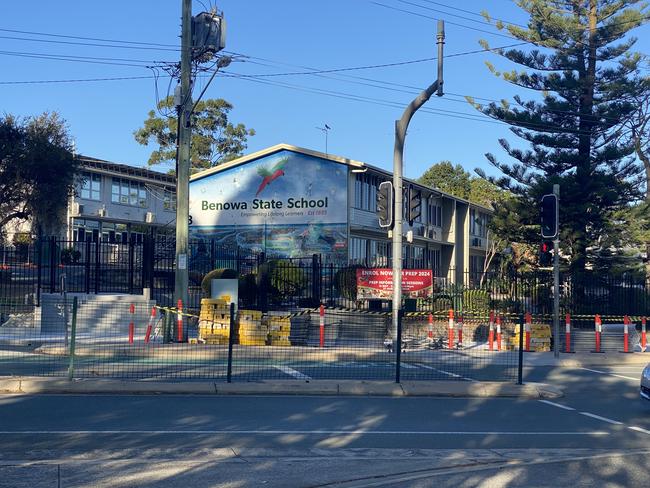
{"x": 385, "y": 203}
{"x": 414, "y": 204}
{"x": 546, "y": 253}
{"x": 549, "y": 213}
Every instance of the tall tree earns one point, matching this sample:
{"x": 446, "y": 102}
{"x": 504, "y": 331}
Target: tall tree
{"x": 214, "y": 139}
{"x": 448, "y": 178}
{"x": 37, "y": 171}
{"x": 582, "y": 69}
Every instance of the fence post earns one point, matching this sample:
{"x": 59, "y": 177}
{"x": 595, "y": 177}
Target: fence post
{"x": 39, "y": 277}
{"x": 97, "y": 266}
{"x": 52, "y": 265}
{"x": 520, "y": 367}
{"x": 73, "y": 338}
{"x": 263, "y": 276}
{"x": 87, "y": 268}
{"x": 231, "y": 339}
{"x": 398, "y": 351}
{"x": 315, "y": 274}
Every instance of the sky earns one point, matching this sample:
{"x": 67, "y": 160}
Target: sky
{"x": 269, "y": 38}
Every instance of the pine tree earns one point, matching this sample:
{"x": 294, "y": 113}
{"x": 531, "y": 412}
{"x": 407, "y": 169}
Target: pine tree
{"x": 581, "y": 66}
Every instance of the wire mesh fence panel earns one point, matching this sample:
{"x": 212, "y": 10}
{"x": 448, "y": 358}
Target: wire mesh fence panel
{"x": 307, "y": 345}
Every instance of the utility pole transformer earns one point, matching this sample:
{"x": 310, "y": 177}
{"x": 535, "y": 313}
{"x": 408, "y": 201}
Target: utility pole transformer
{"x": 400, "y": 135}
{"x": 183, "y": 159}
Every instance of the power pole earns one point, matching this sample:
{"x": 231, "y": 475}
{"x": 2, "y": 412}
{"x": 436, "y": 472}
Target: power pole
{"x": 183, "y": 163}
{"x": 401, "y": 127}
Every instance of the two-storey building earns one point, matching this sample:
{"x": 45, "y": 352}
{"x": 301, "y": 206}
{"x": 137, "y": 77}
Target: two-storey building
{"x": 117, "y": 202}
{"x": 293, "y": 202}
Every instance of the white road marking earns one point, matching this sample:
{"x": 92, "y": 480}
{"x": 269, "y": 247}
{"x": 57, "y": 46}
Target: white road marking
{"x": 408, "y": 366}
{"x": 638, "y": 429}
{"x": 292, "y": 372}
{"x": 604, "y": 419}
{"x": 302, "y": 432}
{"x": 557, "y": 405}
{"x": 612, "y": 374}
{"x": 448, "y": 373}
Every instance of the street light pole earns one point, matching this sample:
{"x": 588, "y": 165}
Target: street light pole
{"x": 401, "y": 127}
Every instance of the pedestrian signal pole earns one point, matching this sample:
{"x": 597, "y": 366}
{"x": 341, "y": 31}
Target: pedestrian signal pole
{"x": 550, "y": 230}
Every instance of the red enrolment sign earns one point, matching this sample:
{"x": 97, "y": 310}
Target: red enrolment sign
{"x": 378, "y": 283}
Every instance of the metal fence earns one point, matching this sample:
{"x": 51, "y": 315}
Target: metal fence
{"x": 127, "y": 338}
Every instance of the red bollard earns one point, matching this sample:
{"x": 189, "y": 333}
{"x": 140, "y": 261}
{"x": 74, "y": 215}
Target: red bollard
{"x": 599, "y": 326}
{"x": 150, "y": 325}
{"x": 131, "y": 326}
{"x": 491, "y": 333}
{"x": 322, "y": 325}
{"x": 643, "y": 335}
{"x": 179, "y": 321}
{"x": 626, "y": 334}
{"x": 450, "y": 337}
{"x": 498, "y": 332}
{"x": 460, "y": 331}
{"x": 529, "y": 319}
{"x": 431, "y": 326}
{"x": 567, "y": 333}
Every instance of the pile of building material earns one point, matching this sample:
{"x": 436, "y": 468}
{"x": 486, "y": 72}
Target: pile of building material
{"x": 252, "y": 330}
{"x": 540, "y": 338}
{"x": 279, "y": 329}
{"x": 214, "y": 321}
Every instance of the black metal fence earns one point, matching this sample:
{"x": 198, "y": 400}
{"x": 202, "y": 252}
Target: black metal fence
{"x": 50, "y": 265}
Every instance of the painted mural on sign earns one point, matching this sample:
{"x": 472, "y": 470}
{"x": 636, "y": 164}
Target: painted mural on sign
{"x": 285, "y": 204}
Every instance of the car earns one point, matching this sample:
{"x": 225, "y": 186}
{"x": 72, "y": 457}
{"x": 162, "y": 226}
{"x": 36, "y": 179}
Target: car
{"x": 644, "y": 391}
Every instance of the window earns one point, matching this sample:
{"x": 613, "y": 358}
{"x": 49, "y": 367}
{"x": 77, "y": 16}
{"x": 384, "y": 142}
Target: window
{"x": 358, "y": 250}
{"x": 477, "y": 223}
{"x": 434, "y": 260}
{"x": 365, "y": 192}
{"x": 91, "y": 186}
{"x": 127, "y": 192}
{"x": 434, "y": 212}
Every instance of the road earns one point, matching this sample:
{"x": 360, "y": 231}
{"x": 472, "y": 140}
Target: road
{"x": 599, "y": 432}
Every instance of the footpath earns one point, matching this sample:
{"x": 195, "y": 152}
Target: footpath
{"x": 424, "y": 388}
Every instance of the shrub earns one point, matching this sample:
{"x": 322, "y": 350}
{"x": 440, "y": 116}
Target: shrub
{"x": 476, "y": 300}
{"x": 345, "y": 281}
{"x": 442, "y": 302}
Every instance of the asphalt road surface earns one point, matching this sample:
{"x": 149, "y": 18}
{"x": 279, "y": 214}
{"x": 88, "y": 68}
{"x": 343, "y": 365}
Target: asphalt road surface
{"x": 597, "y": 435}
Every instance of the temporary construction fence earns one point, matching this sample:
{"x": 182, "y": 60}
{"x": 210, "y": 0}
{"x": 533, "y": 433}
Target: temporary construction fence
{"x": 87, "y": 336}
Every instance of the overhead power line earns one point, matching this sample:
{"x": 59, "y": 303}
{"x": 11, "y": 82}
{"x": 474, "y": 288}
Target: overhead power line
{"x": 79, "y": 80}
{"x": 65, "y": 36}
{"x": 117, "y": 46}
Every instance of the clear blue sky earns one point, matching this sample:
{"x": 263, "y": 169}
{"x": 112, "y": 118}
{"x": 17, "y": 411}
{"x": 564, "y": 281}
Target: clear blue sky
{"x": 279, "y": 36}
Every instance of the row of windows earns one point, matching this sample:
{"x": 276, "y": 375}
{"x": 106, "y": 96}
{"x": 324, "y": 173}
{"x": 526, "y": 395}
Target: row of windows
{"x": 365, "y": 198}
{"x": 123, "y": 191}
{"x": 370, "y": 252}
